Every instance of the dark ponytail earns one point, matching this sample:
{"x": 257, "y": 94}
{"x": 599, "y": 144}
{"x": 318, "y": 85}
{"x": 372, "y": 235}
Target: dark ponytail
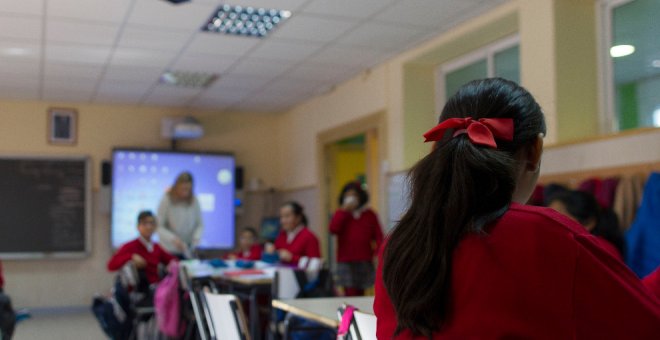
{"x": 297, "y": 210}
{"x": 457, "y": 189}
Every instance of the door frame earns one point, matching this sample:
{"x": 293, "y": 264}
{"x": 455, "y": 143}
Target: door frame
{"x": 373, "y": 127}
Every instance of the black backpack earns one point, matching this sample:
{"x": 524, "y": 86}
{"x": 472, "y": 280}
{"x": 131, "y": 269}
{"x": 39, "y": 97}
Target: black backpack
{"x": 114, "y": 313}
{"x": 7, "y": 317}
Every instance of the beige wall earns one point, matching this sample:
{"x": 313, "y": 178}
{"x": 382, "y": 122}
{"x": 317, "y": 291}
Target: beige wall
{"x": 50, "y": 283}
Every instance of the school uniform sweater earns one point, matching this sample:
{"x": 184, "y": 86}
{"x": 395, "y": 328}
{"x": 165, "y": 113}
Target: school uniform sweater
{"x": 154, "y": 257}
{"x": 253, "y": 254}
{"x": 356, "y": 234}
{"x": 536, "y": 274}
{"x": 303, "y": 244}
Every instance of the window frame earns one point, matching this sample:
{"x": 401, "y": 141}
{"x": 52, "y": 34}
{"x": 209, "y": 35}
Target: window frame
{"x": 487, "y": 52}
{"x": 609, "y": 119}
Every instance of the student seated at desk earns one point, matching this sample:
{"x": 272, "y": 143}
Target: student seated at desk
{"x": 295, "y": 240}
{"x": 248, "y": 248}
{"x": 145, "y": 254}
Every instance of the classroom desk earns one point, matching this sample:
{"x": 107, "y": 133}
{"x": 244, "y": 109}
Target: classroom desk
{"x": 198, "y": 272}
{"x": 323, "y": 310}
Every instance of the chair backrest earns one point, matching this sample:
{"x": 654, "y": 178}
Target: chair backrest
{"x": 225, "y": 317}
{"x": 362, "y": 326}
{"x": 366, "y": 325}
{"x": 285, "y": 284}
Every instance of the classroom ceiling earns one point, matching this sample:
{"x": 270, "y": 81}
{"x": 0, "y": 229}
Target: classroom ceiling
{"x": 115, "y": 51}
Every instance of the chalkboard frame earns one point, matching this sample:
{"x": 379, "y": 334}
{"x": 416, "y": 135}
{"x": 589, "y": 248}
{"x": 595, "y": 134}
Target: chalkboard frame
{"x": 60, "y": 255}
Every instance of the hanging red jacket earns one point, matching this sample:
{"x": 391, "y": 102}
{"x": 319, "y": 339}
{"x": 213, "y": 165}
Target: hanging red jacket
{"x": 537, "y": 275}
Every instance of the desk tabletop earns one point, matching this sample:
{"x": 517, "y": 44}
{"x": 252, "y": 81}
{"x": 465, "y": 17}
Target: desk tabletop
{"x": 202, "y": 269}
{"x": 323, "y": 310}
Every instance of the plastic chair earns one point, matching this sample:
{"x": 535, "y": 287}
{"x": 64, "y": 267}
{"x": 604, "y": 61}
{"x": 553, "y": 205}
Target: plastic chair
{"x": 224, "y": 316}
{"x": 362, "y": 325}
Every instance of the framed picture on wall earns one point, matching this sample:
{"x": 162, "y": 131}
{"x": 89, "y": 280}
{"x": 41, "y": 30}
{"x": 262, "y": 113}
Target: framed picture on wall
{"x": 62, "y": 126}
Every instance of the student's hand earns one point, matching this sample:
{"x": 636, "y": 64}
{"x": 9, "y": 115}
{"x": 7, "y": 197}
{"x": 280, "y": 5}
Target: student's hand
{"x": 269, "y": 248}
{"x": 285, "y": 255}
{"x": 178, "y": 244}
{"x": 139, "y": 261}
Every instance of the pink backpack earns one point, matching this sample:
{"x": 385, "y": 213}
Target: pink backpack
{"x": 167, "y": 303}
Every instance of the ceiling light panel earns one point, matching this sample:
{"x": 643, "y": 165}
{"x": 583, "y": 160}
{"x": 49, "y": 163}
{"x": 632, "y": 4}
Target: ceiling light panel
{"x": 188, "y": 79}
{"x": 245, "y": 21}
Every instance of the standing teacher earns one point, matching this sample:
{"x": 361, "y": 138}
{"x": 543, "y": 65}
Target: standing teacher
{"x": 180, "y": 223}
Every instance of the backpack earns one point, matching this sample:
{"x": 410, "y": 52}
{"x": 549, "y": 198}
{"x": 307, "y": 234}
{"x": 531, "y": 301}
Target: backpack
{"x": 167, "y": 303}
{"x": 113, "y": 313}
{"x": 7, "y": 317}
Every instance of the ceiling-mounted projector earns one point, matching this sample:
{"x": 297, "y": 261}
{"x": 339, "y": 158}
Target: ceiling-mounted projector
{"x": 176, "y": 2}
{"x": 181, "y": 128}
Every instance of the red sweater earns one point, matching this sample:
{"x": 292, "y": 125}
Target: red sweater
{"x": 355, "y": 236}
{"x": 652, "y": 282}
{"x": 124, "y": 254}
{"x": 253, "y": 254}
{"x": 304, "y": 244}
{"x": 537, "y": 275}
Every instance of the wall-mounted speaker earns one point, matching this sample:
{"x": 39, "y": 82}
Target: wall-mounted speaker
{"x": 238, "y": 178}
{"x": 106, "y": 173}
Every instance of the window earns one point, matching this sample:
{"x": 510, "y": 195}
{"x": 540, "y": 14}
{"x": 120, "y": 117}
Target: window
{"x": 632, "y": 67}
{"x": 500, "y": 59}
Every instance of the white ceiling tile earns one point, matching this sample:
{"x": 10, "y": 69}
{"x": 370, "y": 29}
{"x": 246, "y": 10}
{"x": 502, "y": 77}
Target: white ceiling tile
{"x": 21, "y": 28}
{"x": 69, "y": 85}
{"x": 291, "y": 87}
{"x": 225, "y": 96}
{"x": 174, "y": 92}
{"x": 20, "y": 82}
{"x": 259, "y": 105}
{"x": 241, "y": 82}
{"x": 382, "y": 36}
{"x": 204, "y": 63}
{"x": 286, "y": 51}
{"x": 91, "y": 10}
{"x": 66, "y": 96}
{"x": 19, "y": 68}
{"x": 139, "y": 57}
{"x": 8, "y": 92}
{"x": 153, "y": 39}
{"x": 261, "y": 67}
{"x": 61, "y": 70}
{"x": 313, "y": 28}
{"x": 30, "y": 7}
{"x": 221, "y": 44}
{"x": 159, "y": 13}
{"x": 69, "y": 53}
{"x": 346, "y": 8}
{"x": 324, "y": 73}
{"x": 124, "y": 99}
{"x": 64, "y": 90}
{"x": 124, "y": 87}
{"x": 134, "y": 74}
{"x": 209, "y": 104}
{"x": 425, "y": 13}
{"x": 80, "y": 33}
{"x": 121, "y": 92}
{"x": 345, "y": 55}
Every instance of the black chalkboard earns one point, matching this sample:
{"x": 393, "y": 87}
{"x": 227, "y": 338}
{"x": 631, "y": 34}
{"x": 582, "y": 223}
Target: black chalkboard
{"x": 45, "y": 206}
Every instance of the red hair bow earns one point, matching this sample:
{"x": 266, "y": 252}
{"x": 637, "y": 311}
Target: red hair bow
{"x": 482, "y": 132}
